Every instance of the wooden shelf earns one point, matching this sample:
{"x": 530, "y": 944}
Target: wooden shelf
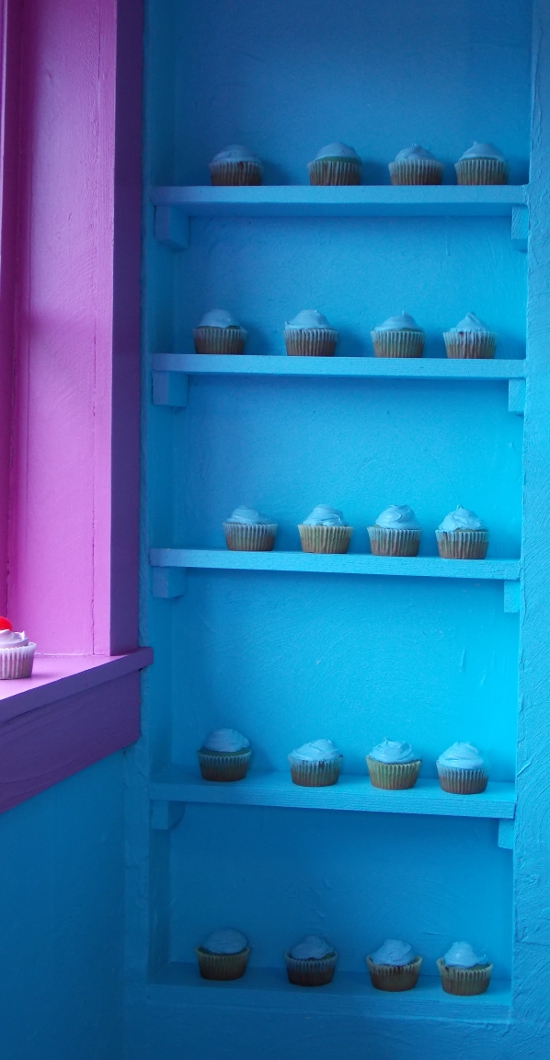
{"x": 355, "y": 367}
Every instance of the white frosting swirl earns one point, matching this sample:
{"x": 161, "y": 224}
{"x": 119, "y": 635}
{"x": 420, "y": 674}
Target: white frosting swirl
{"x": 226, "y": 740}
{"x": 394, "y": 952}
{"x": 403, "y": 322}
{"x": 462, "y": 955}
{"x": 225, "y": 940}
{"x": 398, "y": 517}
{"x": 393, "y": 752}
{"x": 312, "y": 947}
{"x": 218, "y": 318}
{"x": 461, "y": 519}
{"x": 478, "y": 150}
{"x": 248, "y": 517}
{"x": 471, "y": 323}
{"x": 461, "y": 756}
{"x": 235, "y": 153}
{"x": 307, "y": 318}
{"x": 412, "y": 152}
{"x": 10, "y": 639}
{"x": 317, "y": 751}
{"x": 337, "y": 150}
{"x": 324, "y": 515}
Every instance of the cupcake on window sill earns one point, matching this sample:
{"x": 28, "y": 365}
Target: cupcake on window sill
{"x": 471, "y": 339}
{"x": 482, "y": 164}
{"x": 398, "y": 336}
{"x": 463, "y": 971}
{"x": 316, "y": 764}
{"x": 462, "y": 535}
{"x": 247, "y": 530}
{"x": 224, "y": 756}
{"x": 394, "y": 966}
{"x": 415, "y": 165}
{"x": 223, "y": 955}
{"x": 325, "y": 531}
{"x": 311, "y": 962}
{"x": 16, "y": 652}
{"x": 219, "y": 332}
{"x": 393, "y": 765}
{"x": 336, "y": 163}
{"x": 462, "y": 770}
{"x": 396, "y": 532}
{"x": 235, "y": 166}
{"x": 309, "y": 334}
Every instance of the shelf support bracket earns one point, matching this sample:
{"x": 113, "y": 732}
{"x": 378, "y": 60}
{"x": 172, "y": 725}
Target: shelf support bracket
{"x": 520, "y": 227}
{"x": 165, "y": 815}
{"x": 171, "y": 227}
{"x": 171, "y": 388}
{"x": 506, "y": 831}
{"x": 516, "y": 396}
{"x": 512, "y": 598}
{"x": 168, "y": 583}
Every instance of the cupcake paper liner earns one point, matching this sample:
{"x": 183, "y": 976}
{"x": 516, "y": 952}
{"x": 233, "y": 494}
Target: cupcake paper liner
{"x": 389, "y": 542}
{"x": 462, "y": 781}
{"x": 250, "y": 537}
{"x": 398, "y": 343}
{"x": 325, "y": 539}
{"x": 310, "y": 342}
{"x": 315, "y": 774}
{"x": 393, "y": 978}
{"x": 470, "y": 345}
{"x": 462, "y": 544}
{"x": 328, "y": 171}
{"x": 481, "y": 171}
{"x": 16, "y": 662}
{"x": 465, "y": 982}
{"x": 393, "y": 776}
{"x": 235, "y": 174}
{"x": 222, "y": 966}
{"x": 215, "y": 765}
{"x": 416, "y": 171}
{"x": 219, "y": 340}
{"x": 313, "y": 972}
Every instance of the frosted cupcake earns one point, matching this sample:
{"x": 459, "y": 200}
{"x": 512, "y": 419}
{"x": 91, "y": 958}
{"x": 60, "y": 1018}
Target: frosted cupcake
{"x": 463, "y": 971}
{"x": 223, "y": 955}
{"x": 315, "y": 765}
{"x": 335, "y": 164}
{"x": 394, "y": 966}
{"x": 462, "y": 535}
{"x": 311, "y": 962}
{"x": 224, "y": 756}
{"x": 219, "y": 332}
{"x": 309, "y": 334}
{"x": 396, "y": 532}
{"x": 16, "y": 652}
{"x": 235, "y": 166}
{"x": 471, "y": 339}
{"x": 482, "y": 164}
{"x": 415, "y": 165}
{"x": 393, "y": 765}
{"x": 462, "y": 770}
{"x": 247, "y": 530}
{"x": 398, "y": 336}
{"x": 325, "y": 530}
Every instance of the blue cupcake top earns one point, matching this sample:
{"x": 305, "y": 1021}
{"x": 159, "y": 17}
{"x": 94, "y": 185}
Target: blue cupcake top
{"x": 316, "y": 751}
{"x": 471, "y": 323}
{"x": 402, "y": 322}
{"x": 226, "y": 740}
{"x": 394, "y": 952}
{"x": 415, "y": 151}
{"x": 461, "y": 756}
{"x": 245, "y": 516}
{"x": 393, "y": 752}
{"x": 311, "y": 948}
{"x": 461, "y": 519}
{"x": 337, "y": 150}
{"x": 307, "y": 318}
{"x": 398, "y": 517}
{"x": 225, "y": 940}
{"x": 324, "y": 515}
{"x": 462, "y": 955}
{"x": 234, "y": 153}
{"x": 478, "y": 150}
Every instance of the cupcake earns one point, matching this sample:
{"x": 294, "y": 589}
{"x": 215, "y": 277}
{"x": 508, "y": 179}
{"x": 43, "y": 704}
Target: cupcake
{"x": 311, "y": 962}
{"x": 462, "y": 535}
{"x": 16, "y": 652}
{"x": 482, "y": 164}
{"x": 398, "y": 336}
{"x": 315, "y": 765}
{"x": 309, "y": 334}
{"x": 324, "y": 530}
{"x": 235, "y": 166}
{"x": 223, "y": 955}
{"x": 394, "y": 966}
{"x": 219, "y": 332}
{"x": 393, "y": 765}
{"x": 471, "y": 339}
{"x": 463, "y": 971}
{"x": 462, "y": 770}
{"x": 415, "y": 165}
{"x": 225, "y": 755}
{"x": 335, "y": 164}
{"x": 396, "y": 532}
{"x": 247, "y": 530}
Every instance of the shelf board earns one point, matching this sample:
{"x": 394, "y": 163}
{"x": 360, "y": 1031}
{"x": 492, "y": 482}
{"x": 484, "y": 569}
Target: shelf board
{"x": 358, "y": 563}
{"x": 355, "y": 367}
{"x": 349, "y": 995}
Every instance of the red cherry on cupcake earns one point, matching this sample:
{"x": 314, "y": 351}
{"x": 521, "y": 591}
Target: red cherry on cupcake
{"x": 5, "y": 623}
